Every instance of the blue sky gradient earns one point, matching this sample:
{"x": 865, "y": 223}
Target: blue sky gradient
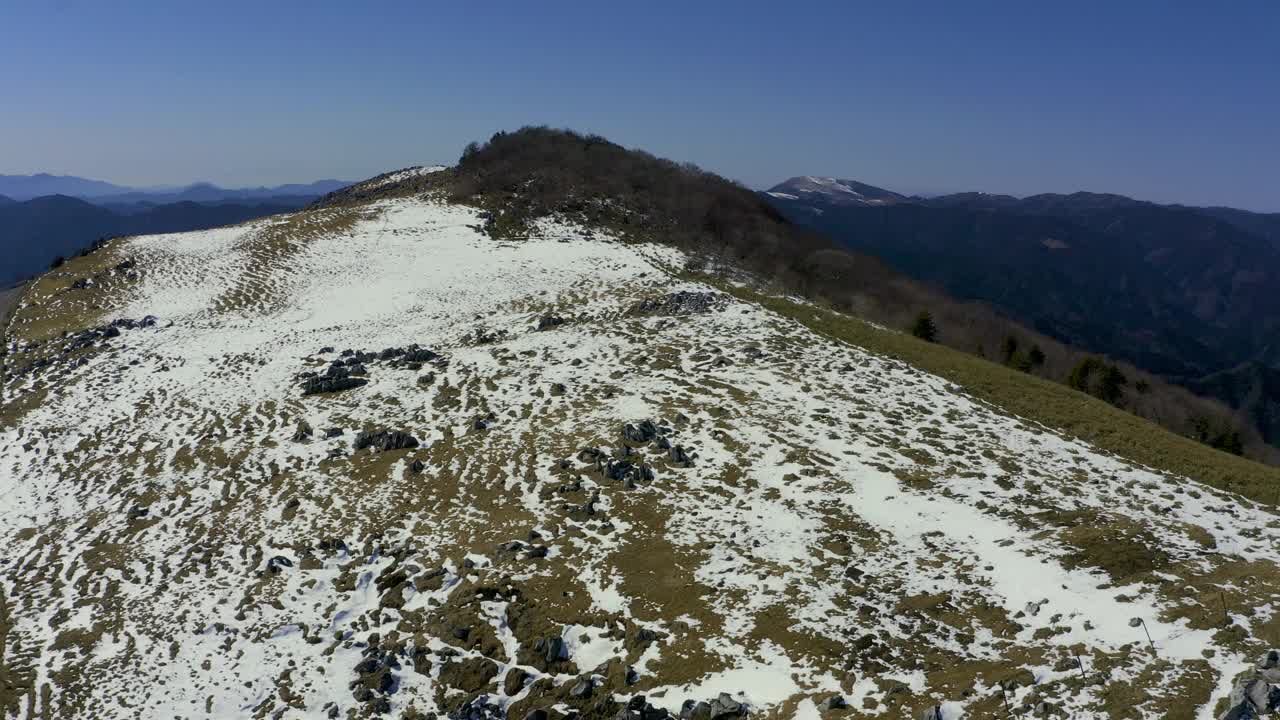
{"x": 1168, "y": 101}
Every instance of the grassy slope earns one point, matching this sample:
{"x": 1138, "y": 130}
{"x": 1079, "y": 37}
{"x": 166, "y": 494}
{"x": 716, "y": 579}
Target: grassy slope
{"x": 9, "y": 300}
{"x": 1052, "y": 404}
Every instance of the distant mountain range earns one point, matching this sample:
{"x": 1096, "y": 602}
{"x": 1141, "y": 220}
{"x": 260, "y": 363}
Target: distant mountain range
{"x": 27, "y": 187}
{"x": 34, "y": 232}
{"x": 43, "y": 216}
{"x": 1188, "y": 293}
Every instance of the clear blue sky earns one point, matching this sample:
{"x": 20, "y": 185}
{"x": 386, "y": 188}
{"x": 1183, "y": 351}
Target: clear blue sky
{"x": 1170, "y": 101}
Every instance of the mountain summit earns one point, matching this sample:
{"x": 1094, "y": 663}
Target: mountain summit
{"x": 529, "y": 438}
{"x": 835, "y": 191}
{"x": 26, "y": 187}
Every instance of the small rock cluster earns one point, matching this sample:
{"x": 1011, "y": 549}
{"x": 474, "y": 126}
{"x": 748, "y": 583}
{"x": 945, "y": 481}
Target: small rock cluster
{"x": 125, "y": 268}
{"x": 377, "y": 674}
{"x": 723, "y": 707}
{"x": 648, "y": 432}
{"x": 1257, "y": 695}
{"x": 484, "y": 336}
{"x": 682, "y": 303}
{"x": 349, "y": 369}
{"x": 629, "y": 469}
{"x": 83, "y": 340}
{"x": 384, "y": 440}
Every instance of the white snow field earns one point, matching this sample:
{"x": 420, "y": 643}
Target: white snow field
{"x": 802, "y": 519}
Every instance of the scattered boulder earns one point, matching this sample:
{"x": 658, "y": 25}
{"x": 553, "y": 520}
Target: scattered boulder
{"x": 1256, "y": 695}
{"x": 835, "y": 702}
{"x": 1270, "y": 659}
{"x": 303, "y": 432}
{"x": 514, "y": 681}
{"x": 695, "y": 710}
{"x": 681, "y": 457}
{"x": 330, "y": 384}
{"x": 643, "y": 433}
{"x": 479, "y": 708}
{"x": 553, "y": 649}
{"x": 637, "y": 708}
{"x": 645, "y": 636}
{"x": 724, "y": 707}
{"x": 278, "y": 563}
{"x": 385, "y": 440}
{"x": 469, "y": 675}
{"x": 420, "y": 355}
{"x": 583, "y": 688}
{"x": 546, "y": 322}
{"x": 621, "y": 470}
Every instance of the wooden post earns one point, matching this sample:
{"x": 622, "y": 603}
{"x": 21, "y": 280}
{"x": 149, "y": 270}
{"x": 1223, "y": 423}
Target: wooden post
{"x": 1139, "y": 621}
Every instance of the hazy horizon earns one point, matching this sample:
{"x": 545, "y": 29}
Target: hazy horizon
{"x": 1160, "y": 103}
{"x": 908, "y": 191}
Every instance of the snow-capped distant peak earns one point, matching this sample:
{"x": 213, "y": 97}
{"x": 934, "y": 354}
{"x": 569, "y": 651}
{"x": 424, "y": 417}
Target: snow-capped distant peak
{"x": 827, "y": 184}
{"x": 833, "y": 190}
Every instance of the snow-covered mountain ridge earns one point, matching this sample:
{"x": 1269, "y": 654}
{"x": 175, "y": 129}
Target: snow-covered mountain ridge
{"x": 834, "y": 190}
{"x": 597, "y": 481}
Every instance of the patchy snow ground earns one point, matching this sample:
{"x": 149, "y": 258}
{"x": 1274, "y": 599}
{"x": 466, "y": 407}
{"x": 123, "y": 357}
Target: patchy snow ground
{"x": 805, "y": 519}
{"x": 399, "y": 176}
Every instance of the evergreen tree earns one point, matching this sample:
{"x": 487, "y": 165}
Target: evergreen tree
{"x": 924, "y": 328}
{"x": 1080, "y": 376}
{"x": 1229, "y": 441}
{"x": 1008, "y": 349}
{"x": 1111, "y": 385}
